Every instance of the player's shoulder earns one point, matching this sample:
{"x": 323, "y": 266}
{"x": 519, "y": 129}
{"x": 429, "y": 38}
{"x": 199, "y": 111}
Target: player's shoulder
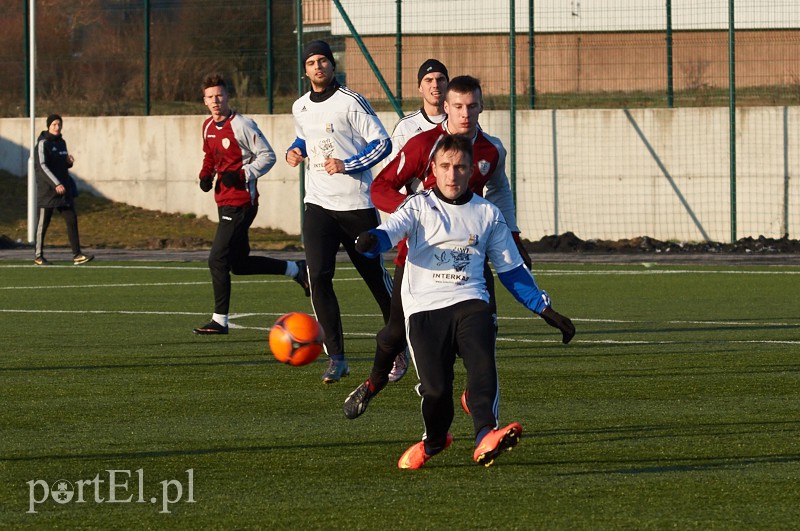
{"x": 419, "y": 199}
{"x": 300, "y": 105}
{"x": 244, "y": 120}
{"x": 483, "y": 136}
{"x": 410, "y": 118}
{"x": 206, "y": 125}
{"x": 353, "y": 99}
{"x": 429, "y": 137}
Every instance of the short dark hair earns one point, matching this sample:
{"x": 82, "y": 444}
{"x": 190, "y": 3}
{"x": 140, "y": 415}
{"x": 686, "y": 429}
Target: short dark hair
{"x": 464, "y": 85}
{"x": 215, "y": 80}
{"x": 460, "y": 143}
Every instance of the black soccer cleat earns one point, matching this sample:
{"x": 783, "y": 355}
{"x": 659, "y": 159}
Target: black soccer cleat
{"x": 211, "y": 328}
{"x": 302, "y": 277}
{"x": 356, "y": 402}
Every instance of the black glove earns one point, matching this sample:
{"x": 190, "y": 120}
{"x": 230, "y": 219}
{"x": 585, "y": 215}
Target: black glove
{"x": 522, "y": 251}
{"x": 231, "y": 178}
{"x": 556, "y": 320}
{"x": 366, "y": 242}
{"x": 206, "y": 183}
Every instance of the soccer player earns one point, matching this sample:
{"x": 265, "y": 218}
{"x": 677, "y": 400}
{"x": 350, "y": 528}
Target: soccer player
{"x": 341, "y": 136}
{"x": 432, "y": 79}
{"x": 237, "y": 153}
{"x": 410, "y": 170}
{"x": 450, "y": 233}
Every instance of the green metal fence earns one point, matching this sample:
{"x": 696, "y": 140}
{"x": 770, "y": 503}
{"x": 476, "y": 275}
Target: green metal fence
{"x": 676, "y": 119}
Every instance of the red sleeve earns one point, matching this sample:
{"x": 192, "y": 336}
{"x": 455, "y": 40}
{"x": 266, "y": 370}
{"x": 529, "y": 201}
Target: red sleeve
{"x": 409, "y": 164}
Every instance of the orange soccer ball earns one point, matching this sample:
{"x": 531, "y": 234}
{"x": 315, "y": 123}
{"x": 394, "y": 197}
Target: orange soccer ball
{"x": 296, "y": 339}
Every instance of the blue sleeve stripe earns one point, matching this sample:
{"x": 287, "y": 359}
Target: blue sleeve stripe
{"x": 375, "y": 151}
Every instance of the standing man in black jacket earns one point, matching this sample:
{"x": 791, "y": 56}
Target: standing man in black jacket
{"x": 56, "y": 190}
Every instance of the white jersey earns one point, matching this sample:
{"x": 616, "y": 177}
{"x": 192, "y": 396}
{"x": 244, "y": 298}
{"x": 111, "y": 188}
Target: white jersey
{"x": 410, "y": 125}
{"x": 342, "y": 126}
{"x": 448, "y": 245}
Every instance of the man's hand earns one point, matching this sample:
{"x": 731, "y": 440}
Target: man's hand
{"x": 522, "y": 251}
{"x": 232, "y": 179}
{"x": 366, "y": 242}
{"x": 294, "y": 157}
{"x": 206, "y": 183}
{"x": 556, "y": 320}
{"x": 334, "y": 166}
{"x": 61, "y": 190}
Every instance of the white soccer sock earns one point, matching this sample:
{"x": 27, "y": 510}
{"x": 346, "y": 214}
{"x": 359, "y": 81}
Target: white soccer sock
{"x": 220, "y": 319}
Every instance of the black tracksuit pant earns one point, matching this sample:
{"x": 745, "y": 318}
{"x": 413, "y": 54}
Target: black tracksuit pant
{"x": 323, "y": 232}
{"x": 435, "y": 336}
{"x": 230, "y": 253}
{"x": 70, "y": 217}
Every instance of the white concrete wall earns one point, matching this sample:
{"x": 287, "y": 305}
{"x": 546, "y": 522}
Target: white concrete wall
{"x": 668, "y": 180}
{"x": 153, "y": 162}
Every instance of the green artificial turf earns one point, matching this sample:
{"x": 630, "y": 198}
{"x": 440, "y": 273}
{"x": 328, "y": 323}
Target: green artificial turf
{"x": 676, "y": 406}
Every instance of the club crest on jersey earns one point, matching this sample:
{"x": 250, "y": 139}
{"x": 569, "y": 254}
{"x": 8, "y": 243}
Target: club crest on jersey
{"x": 329, "y": 128}
{"x": 483, "y": 167}
{"x": 473, "y": 240}
{"x": 226, "y": 143}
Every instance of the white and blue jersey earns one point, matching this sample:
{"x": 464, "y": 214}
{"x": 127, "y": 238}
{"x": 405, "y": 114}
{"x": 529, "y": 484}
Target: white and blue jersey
{"x": 411, "y": 125}
{"x": 448, "y": 243}
{"x": 340, "y": 124}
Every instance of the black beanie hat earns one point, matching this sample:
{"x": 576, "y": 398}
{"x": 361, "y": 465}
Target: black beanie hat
{"x": 52, "y": 118}
{"x": 431, "y": 65}
{"x": 318, "y": 48}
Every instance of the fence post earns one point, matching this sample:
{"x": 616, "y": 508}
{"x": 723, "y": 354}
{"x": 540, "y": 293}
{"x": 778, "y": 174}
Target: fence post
{"x": 531, "y": 57}
{"x": 368, "y": 57}
{"x": 147, "y": 57}
{"x": 301, "y": 168}
{"x": 26, "y": 38}
{"x": 270, "y": 60}
{"x": 670, "y": 86}
{"x": 732, "y": 110}
{"x": 786, "y": 172}
{"x": 398, "y": 39}
{"x": 512, "y": 45}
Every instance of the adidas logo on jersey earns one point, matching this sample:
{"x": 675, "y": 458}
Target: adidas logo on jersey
{"x": 303, "y": 109}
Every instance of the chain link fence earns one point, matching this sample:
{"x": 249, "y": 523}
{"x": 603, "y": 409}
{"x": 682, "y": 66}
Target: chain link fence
{"x": 676, "y": 119}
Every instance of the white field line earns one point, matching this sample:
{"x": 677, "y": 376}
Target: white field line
{"x": 234, "y": 325}
{"x": 649, "y": 269}
{"x": 242, "y": 281}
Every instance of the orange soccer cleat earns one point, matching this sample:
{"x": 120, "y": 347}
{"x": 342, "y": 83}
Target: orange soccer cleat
{"x": 496, "y": 442}
{"x": 416, "y": 456}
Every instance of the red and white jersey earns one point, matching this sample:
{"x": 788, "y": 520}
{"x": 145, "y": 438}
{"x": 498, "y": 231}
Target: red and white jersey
{"x": 448, "y": 244}
{"x": 411, "y": 125}
{"x": 237, "y": 145}
{"x": 411, "y": 171}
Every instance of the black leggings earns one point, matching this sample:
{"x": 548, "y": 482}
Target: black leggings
{"x": 391, "y": 339}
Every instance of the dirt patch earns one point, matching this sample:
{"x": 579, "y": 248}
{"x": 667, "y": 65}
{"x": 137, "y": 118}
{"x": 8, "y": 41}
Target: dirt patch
{"x": 570, "y": 243}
